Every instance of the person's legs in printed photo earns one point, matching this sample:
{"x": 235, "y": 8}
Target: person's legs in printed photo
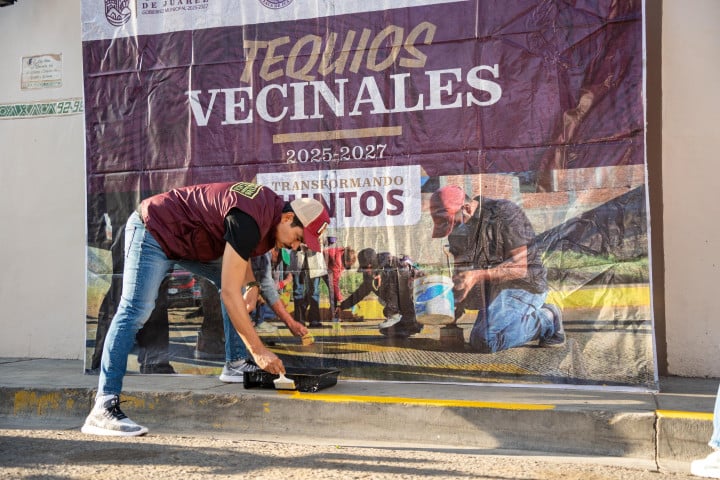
{"x": 513, "y": 318}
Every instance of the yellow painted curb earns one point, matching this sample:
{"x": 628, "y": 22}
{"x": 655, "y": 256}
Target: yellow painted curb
{"x": 684, "y": 415}
{"x": 38, "y": 403}
{"x": 330, "y": 398}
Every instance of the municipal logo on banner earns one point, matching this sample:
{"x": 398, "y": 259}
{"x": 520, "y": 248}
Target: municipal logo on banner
{"x": 117, "y": 12}
{"x": 276, "y": 3}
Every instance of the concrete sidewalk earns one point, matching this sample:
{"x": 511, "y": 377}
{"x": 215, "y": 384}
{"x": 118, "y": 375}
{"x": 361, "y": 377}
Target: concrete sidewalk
{"x": 670, "y": 427}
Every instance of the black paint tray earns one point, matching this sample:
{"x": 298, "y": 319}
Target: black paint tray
{"x": 306, "y": 379}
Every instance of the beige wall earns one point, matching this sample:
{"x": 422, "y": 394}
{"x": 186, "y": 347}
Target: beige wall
{"x": 691, "y": 190}
{"x": 42, "y": 185}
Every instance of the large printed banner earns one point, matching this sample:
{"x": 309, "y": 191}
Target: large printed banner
{"x": 483, "y": 163}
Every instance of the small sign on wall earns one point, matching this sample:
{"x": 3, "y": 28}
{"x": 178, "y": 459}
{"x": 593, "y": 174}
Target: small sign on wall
{"x": 41, "y": 71}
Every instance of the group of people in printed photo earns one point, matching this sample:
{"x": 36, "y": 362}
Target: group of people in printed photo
{"x": 496, "y": 270}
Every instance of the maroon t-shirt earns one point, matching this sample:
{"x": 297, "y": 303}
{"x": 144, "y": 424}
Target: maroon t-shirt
{"x": 189, "y": 222}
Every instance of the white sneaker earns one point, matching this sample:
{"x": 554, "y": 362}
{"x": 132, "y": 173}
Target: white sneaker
{"x": 394, "y": 320}
{"x": 232, "y": 372}
{"x": 708, "y": 467}
{"x": 108, "y": 420}
{"x": 266, "y": 327}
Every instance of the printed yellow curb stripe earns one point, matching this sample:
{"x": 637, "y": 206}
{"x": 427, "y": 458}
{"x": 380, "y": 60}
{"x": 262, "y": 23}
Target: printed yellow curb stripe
{"x": 626, "y": 296}
{"x": 684, "y": 415}
{"x": 589, "y": 297}
{"x": 414, "y": 401}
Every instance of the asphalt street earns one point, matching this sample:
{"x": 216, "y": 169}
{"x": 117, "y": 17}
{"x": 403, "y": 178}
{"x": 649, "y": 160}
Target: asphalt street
{"x": 65, "y": 453}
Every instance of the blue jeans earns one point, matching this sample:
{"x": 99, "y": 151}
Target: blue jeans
{"x": 512, "y": 319}
{"x": 715, "y": 439}
{"x": 146, "y": 265}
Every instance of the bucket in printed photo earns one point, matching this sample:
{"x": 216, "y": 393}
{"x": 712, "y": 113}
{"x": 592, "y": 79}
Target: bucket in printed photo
{"x": 434, "y": 300}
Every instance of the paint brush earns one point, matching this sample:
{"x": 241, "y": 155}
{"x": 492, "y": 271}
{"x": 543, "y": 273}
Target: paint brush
{"x": 284, "y": 383}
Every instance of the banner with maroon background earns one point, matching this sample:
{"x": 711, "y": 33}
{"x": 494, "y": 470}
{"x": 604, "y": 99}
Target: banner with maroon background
{"x": 371, "y": 107}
